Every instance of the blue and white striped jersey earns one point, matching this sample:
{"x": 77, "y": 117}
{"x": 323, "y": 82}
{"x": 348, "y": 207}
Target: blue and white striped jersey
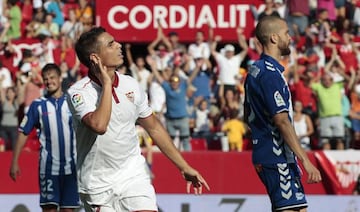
{"x": 267, "y": 94}
{"x": 53, "y": 121}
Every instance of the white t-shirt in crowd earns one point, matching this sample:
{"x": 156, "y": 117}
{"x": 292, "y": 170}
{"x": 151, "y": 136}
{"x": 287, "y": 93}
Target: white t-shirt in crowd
{"x": 228, "y": 68}
{"x": 5, "y": 75}
{"x": 143, "y": 74}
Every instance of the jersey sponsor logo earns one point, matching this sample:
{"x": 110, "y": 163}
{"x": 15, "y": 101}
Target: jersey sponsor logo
{"x": 279, "y": 99}
{"x": 130, "y": 95}
{"x": 77, "y": 100}
{"x": 24, "y": 121}
{"x": 254, "y": 71}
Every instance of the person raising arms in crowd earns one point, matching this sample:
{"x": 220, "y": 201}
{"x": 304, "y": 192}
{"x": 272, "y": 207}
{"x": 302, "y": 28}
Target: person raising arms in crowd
{"x": 268, "y": 112}
{"x": 105, "y": 106}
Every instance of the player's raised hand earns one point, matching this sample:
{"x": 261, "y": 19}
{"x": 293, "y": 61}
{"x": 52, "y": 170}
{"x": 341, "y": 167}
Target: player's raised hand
{"x": 195, "y": 180}
{"x": 100, "y": 70}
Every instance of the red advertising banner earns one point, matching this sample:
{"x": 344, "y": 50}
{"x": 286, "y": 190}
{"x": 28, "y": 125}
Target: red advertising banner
{"x": 136, "y": 21}
{"x": 340, "y": 169}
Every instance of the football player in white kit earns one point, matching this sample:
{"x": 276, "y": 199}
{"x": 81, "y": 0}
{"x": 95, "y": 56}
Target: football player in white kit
{"x": 112, "y": 173}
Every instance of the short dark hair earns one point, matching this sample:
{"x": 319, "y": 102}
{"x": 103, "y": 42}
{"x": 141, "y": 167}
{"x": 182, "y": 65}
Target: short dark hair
{"x": 87, "y": 44}
{"x": 265, "y": 28}
{"x": 51, "y": 67}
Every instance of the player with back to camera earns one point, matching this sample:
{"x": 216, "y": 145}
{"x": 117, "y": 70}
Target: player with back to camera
{"x": 105, "y": 106}
{"x": 268, "y": 112}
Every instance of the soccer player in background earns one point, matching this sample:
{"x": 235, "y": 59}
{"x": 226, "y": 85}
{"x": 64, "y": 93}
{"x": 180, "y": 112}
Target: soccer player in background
{"x": 268, "y": 112}
{"x": 50, "y": 114}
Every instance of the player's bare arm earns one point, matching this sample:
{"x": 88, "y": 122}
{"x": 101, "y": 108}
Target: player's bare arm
{"x": 281, "y": 120}
{"x": 99, "y": 119}
{"x": 15, "y": 169}
{"x": 157, "y": 132}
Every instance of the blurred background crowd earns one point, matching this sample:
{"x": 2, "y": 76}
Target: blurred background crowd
{"x": 196, "y": 88}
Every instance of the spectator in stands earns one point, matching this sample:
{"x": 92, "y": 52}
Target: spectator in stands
{"x": 85, "y": 14}
{"x": 202, "y": 76}
{"x": 55, "y": 8}
{"x": 137, "y": 68}
{"x": 5, "y": 77}
{"x": 322, "y": 27}
{"x": 235, "y": 130}
{"x": 45, "y": 52}
{"x": 146, "y": 148}
{"x": 269, "y": 10}
{"x": 69, "y": 75}
{"x": 39, "y": 10}
{"x": 178, "y": 48}
{"x": 298, "y": 14}
{"x": 302, "y": 91}
{"x": 280, "y": 8}
{"x": 31, "y": 82}
{"x": 26, "y": 15}
{"x": 9, "y": 121}
{"x": 347, "y": 52}
{"x": 66, "y": 53}
{"x": 13, "y": 14}
{"x": 202, "y": 124}
{"x": 200, "y": 46}
{"x": 177, "y": 118}
{"x": 161, "y": 50}
{"x": 48, "y": 27}
{"x": 340, "y": 8}
{"x": 157, "y": 98}
{"x": 72, "y": 27}
{"x": 229, "y": 62}
{"x": 336, "y": 67}
{"x": 303, "y": 126}
{"x": 229, "y": 102}
{"x": 355, "y": 114}
{"x": 57, "y": 163}
{"x": 346, "y": 106}
{"x": 330, "y": 111}
{"x": 329, "y": 6}
{"x": 8, "y": 57}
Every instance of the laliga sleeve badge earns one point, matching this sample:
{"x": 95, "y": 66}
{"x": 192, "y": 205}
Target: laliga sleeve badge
{"x": 279, "y": 99}
{"x": 77, "y": 100}
{"x": 24, "y": 121}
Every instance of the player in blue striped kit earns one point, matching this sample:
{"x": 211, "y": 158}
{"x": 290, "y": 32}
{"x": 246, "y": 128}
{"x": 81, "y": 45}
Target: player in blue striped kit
{"x": 268, "y": 112}
{"x": 57, "y": 166}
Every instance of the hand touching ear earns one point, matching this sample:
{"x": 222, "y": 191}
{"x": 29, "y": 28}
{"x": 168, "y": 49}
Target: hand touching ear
{"x": 100, "y": 70}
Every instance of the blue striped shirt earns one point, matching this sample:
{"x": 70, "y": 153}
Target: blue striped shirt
{"x": 52, "y": 119}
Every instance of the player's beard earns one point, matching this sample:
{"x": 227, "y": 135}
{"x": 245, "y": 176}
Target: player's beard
{"x": 284, "y": 48}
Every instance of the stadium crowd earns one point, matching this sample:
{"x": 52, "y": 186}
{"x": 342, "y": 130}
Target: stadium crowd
{"x": 196, "y": 89}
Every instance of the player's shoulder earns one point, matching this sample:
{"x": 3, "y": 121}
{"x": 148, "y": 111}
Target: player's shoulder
{"x": 267, "y": 65}
{"x": 80, "y": 84}
{"x": 37, "y": 103}
{"x": 126, "y": 77}
{"x": 127, "y": 81}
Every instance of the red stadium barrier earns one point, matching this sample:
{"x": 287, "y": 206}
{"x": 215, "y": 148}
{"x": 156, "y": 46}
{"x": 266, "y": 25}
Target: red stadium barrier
{"x": 226, "y": 173}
